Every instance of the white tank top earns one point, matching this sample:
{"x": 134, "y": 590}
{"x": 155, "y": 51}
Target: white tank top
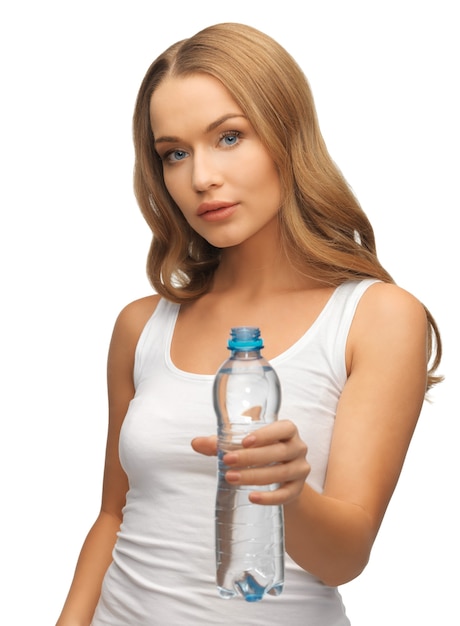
{"x": 163, "y": 569}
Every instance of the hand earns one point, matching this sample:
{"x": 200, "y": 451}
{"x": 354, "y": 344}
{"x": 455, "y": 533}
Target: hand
{"x": 271, "y": 454}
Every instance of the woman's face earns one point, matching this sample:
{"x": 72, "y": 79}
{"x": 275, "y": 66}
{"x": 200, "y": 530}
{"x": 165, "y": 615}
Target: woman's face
{"x": 214, "y": 165}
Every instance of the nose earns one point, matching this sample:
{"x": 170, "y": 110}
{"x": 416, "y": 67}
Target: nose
{"x": 205, "y": 172}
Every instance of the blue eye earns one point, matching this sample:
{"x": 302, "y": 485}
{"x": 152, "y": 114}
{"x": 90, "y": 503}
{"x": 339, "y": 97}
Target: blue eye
{"x": 230, "y": 138}
{"x": 175, "y": 155}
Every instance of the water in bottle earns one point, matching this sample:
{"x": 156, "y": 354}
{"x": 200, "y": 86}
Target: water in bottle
{"x": 249, "y": 537}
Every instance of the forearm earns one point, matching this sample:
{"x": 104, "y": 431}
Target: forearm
{"x": 94, "y": 559}
{"x": 329, "y": 538}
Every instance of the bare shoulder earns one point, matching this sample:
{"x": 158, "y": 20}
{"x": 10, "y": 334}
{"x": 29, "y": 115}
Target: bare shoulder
{"x": 386, "y": 303}
{"x": 138, "y": 311}
{"x": 132, "y": 319}
{"x": 387, "y": 317}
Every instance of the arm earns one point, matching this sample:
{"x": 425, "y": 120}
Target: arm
{"x": 331, "y": 534}
{"x": 96, "y": 553}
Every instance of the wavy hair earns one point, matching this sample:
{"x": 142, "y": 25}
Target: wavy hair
{"x": 324, "y": 231}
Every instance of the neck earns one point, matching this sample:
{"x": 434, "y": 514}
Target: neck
{"x": 255, "y": 271}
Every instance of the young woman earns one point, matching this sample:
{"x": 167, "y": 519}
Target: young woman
{"x": 252, "y": 224}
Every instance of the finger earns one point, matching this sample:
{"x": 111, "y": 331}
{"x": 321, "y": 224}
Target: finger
{"x": 285, "y": 494}
{"x": 205, "y": 445}
{"x": 279, "y": 452}
{"x": 281, "y": 430}
{"x": 278, "y": 473}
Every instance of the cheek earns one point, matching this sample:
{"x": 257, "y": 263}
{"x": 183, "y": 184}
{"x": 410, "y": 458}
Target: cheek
{"x": 174, "y": 186}
{"x": 267, "y": 180}
{"x": 260, "y": 167}
{"x": 180, "y": 193}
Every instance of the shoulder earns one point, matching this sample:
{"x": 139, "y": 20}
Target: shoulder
{"x": 131, "y": 321}
{"x": 384, "y": 303}
{"x": 388, "y": 320}
{"x": 137, "y": 312}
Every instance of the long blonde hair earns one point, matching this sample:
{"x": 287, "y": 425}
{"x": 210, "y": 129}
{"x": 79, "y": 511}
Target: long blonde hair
{"x": 323, "y": 228}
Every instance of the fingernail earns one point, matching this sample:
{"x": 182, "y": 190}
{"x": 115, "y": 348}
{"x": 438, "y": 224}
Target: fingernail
{"x": 232, "y": 477}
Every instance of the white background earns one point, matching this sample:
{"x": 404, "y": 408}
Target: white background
{"x": 73, "y": 248}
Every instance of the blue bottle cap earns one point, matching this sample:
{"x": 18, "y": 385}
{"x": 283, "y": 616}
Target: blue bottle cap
{"x": 245, "y": 338}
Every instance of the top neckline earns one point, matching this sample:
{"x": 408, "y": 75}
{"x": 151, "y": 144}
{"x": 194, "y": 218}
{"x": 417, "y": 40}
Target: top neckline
{"x": 278, "y": 359}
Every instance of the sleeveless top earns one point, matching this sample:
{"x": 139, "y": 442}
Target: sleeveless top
{"x": 163, "y": 569}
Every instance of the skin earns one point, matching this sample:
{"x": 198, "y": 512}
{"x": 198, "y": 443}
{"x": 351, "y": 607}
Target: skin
{"x": 210, "y": 157}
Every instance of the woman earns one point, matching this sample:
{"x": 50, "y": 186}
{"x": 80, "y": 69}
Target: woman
{"x": 252, "y": 224}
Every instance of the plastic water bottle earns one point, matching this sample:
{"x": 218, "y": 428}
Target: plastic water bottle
{"x": 249, "y": 537}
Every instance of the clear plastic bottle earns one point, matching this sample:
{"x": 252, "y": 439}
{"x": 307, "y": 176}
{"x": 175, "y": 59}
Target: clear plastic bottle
{"x": 249, "y": 537}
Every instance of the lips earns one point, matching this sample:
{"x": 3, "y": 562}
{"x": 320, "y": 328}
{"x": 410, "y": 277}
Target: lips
{"x": 212, "y": 207}
{"x": 216, "y": 211}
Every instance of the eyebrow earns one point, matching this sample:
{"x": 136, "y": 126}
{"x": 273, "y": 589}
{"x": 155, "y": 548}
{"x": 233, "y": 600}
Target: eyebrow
{"x": 208, "y": 129}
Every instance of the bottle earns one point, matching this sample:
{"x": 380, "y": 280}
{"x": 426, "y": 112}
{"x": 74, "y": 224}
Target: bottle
{"x": 249, "y": 537}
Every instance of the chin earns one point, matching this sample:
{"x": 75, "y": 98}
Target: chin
{"x": 223, "y": 244}
{"x": 222, "y": 241}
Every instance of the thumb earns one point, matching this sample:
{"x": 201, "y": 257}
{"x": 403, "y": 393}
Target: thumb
{"x": 205, "y": 445}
